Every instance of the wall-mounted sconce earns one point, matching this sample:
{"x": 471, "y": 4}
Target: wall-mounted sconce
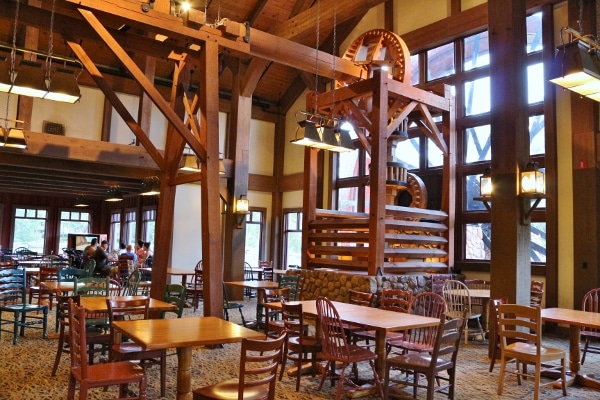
{"x": 485, "y": 188}
{"x": 81, "y": 201}
{"x": 242, "y": 208}
{"x": 532, "y": 187}
{"x": 114, "y": 194}
{"x": 150, "y": 186}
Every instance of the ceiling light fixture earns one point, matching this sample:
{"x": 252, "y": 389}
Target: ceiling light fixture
{"x": 81, "y": 201}
{"x": 150, "y": 186}
{"x": 114, "y": 194}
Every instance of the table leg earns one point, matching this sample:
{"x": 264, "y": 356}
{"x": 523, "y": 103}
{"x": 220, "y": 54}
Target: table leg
{"x": 184, "y": 373}
{"x": 380, "y": 351}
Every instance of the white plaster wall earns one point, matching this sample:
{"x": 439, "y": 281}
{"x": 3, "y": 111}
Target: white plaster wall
{"x": 261, "y": 144}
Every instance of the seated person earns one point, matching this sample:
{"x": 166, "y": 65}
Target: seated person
{"x": 102, "y": 267}
{"x": 129, "y": 252}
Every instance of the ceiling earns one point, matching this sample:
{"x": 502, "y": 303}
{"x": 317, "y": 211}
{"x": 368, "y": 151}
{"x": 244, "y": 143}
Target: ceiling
{"x": 277, "y": 88}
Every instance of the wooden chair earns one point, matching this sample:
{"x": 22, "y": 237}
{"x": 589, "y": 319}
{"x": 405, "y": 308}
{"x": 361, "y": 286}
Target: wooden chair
{"x": 7, "y": 264}
{"x": 336, "y": 348}
{"x": 227, "y": 305}
{"x": 125, "y": 266}
{"x": 99, "y": 375}
{"x": 94, "y": 335}
{"x": 299, "y": 344}
{"x": 537, "y": 293}
{"x": 458, "y": 301}
{"x": 131, "y": 285}
{"x": 590, "y": 303}
{"x": 477, "y": 303}
{"x": 194, "y": 290}
{"x": 442, "y": 358}
{"x": 258, "y": 373}
{"x": 392, "y": 300}
{"x": 427, "y": 304}
{"x": 267, "y": 270}
{"x": 293, "y": 282}
{"x": 13, "y": 300}
{"x": 249, "y": 276}
{"x": 523, "y": 325}
{"x": 46, "y": 274}
{"x": 271, "y": 320}
{"x": 90, "y": 267}
{"x": 175, "y": 294}
{"x": 91, "y": 286}
{"x": 132, "y": 309}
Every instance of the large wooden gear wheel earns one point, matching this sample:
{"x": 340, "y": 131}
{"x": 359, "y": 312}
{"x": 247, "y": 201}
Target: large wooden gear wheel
{"x": 415, "y": 193}
{"x": 377, "y": 48}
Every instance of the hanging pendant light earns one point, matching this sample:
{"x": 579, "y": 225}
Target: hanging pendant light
{"x": 150, "y": 186}
{"x": 30, "y": 80}
{"x": 114, "y": 194}
{"x": 63, "y": 87}
{"x": 81, "y": 201}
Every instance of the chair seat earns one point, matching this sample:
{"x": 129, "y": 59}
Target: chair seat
{"x": 590, "y": 334}
{"x": 410, "y": 346}
{"x": 418, "y": 362}
{"x": 132, "y": 350}
{"x": 309, "y": 343}
{"x": 107, "y": 374}
{"x": 522, "y": 348}
{"x": 357, "y": 354}
{"x": 229, "y": 390}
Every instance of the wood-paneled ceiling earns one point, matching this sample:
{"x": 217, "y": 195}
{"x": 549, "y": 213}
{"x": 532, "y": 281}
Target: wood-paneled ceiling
{"x": 301, "y": 21}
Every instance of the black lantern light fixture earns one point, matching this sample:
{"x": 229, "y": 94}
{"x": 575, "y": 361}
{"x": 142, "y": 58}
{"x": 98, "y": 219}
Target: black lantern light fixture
{"x": 114, "y": 194}
{"x": 242, "y": 208}
{"x": 150, "y": 186}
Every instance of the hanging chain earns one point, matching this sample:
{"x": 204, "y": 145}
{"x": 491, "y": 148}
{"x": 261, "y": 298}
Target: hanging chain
{"x": 13, "y": 55}
{"x": 580, "y": 19}
{"x": 50, "y": 41}
{"x": 333, "y": 53}
{"x": 317, "y": 56}
{"x": 218, "y": 12}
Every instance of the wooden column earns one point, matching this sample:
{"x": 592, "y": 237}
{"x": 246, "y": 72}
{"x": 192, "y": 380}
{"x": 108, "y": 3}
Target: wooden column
{"x": 378, "y": 172}
{"x": 586, "y": 179}
{"x": 212, "y": 245}
{"x": 510, "y": 261}
{"x": 239, "y": 143}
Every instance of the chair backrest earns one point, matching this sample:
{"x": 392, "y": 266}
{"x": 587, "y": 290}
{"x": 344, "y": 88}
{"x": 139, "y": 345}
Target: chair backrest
{"x": 69, "y": 274}
{"x": 333, "y": 338}
{"x": 121, "y": 308}
{"x": 90, "y": 286}
{"x": 197, "y": 280}
{"x": 447, "y": 340}
{"x": 175, "y": 294}
{"x": 267, "y": 274}
{"x": 427, "y": 304}
{"x": 591, "y": 303}
{"x": 537, "y": 292}
{"x": 361, "y": 298}
{"x": 48, "y": 274}
{"x": 517, "y": 322}
{"x": 248, "y": 275}
{"x": 114, "y": 287}
{"x": 395, "y": 300}
{"x": 132, "y": 283}
{"x": 258, "y": 365}
{"x": 278, "y": 294}
{"x": 198, "y": 266}
{"x": 293, "y": 282}
{"x": 225, "y": 297}
{"x": 124, "y": 264}
{"x": 89, "y": 266}
{"x": 477, "y": 283}
{"x": 293, "y": 319}
{"x": 77, "y": 339}
{"x": 12, "y": 286}
{"x": 62, "y": 308}
{"x": 457, "y": 297}
{"x": 7, "y": 264}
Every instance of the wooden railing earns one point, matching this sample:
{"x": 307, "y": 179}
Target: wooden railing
{"x": 414, "y": 240}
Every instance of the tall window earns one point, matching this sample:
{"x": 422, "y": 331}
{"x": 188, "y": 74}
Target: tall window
{"x": 130, "y": 227}
{"x": 148, "y": 224}
{"x": 254, "y": 236}
{"x": 30, "y": 229}
{"x": 72, "y": 222}
{"x": 292, "y": 237}
{"x": 115, "y": 228}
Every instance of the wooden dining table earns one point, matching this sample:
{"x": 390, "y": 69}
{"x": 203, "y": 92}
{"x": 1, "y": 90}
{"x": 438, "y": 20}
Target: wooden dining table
{"x": 259, "y": 286}
{"x": 576, "y": 319}
{"x": 382, "y": 321}
{"x": 183, "y": 334}
{"x": 98, "y": 303}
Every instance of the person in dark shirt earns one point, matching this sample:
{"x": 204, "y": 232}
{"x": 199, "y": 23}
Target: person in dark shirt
{"x": 89, "y": 250}
{"x": 101, "y": 258}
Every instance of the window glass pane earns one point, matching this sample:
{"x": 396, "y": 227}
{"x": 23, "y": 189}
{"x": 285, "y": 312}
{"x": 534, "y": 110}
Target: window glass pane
{"x": 537, "y": 135}
{"x": 535, "y": 83}
{"x": 293, "y": 248}
{"x": 414, "y": 77}
{"x": 408, "y": 152}
{"x": 30, "y": 229}
{"x": 348, "y": 199}
{"x": 478, "y": 144}
{"x": 534, "y": 33}
{"x": 477, "y": 51}
{"x": 71, "y": 222}
{"x": 435, "y": 157}
{"x": 253, "y": 235}
{"x": 440, "y": 62}
{"x": 538, "y": 242}
{"x": 477, "y": 96}
{"x": 478, "y": 240}
{"x": 348, "y": 164}
{"x": 472, "y": 190}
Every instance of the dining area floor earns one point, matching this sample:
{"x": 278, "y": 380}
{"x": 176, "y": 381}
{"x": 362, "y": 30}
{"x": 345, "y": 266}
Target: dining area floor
{"x": 25, "y": 371}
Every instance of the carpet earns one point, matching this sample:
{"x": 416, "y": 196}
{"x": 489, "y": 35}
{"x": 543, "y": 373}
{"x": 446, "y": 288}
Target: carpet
{"x": 25, "y": 371}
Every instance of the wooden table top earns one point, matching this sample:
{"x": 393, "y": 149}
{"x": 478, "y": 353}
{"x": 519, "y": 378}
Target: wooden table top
{"x": 254, "y": 284}
{"x": 571, "y": 317}
{"x": 374, "y": 318}
{"x": 476, "y": 293}
{"x": 184, "y": 332}
{"x": 59, "y": 286}
{"x": 98, "y": 303}
{"x": 180, "y": 271}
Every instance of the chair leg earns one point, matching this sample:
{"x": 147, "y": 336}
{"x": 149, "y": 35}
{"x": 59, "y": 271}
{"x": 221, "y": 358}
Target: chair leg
{"x": 242, "y": 316}
{"x": 324, "y": 375}
{"x": 163, "y": 373}
{"x": 59, "y": 351}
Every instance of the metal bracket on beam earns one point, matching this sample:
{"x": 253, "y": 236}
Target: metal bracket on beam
{"x": 247, "y": 36}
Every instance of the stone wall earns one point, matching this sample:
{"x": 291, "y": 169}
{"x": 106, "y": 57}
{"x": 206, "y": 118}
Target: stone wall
{"x": 335, "y": 285}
